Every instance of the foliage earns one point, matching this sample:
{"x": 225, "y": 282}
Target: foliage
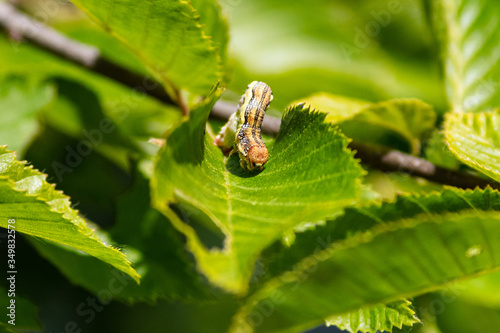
{"x": 376, "y": 318}
{"x": 173, "y": 235}
{"x": 191, "y": 172}
{"x": 167, "y": 36}
{"x": 38, "y": 210}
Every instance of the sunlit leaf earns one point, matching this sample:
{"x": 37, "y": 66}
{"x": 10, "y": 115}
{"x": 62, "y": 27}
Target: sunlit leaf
{"x": 151, "y": 243}
{"x": 310, "y": 176}
{"x": 405, "y": 248}
{"x": 35, "y": 208}
{"x": 166, "y": 35}
{"x": 475, "y": 139}
{"x": 468, "y": 33}
{"x": 409, "y": 120}
{"x": 376, "y": 318}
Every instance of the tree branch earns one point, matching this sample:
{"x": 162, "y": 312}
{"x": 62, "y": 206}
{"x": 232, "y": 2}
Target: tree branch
{"x": 89, "y": 57}
{"x": 23, "y": 26}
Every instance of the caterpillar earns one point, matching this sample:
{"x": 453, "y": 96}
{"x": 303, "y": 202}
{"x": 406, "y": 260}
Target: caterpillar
{"x": 242, "y": 131}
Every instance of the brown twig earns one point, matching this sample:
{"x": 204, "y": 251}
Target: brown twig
{"x": 393, "y": 160}
{"x": 18, "y": 24}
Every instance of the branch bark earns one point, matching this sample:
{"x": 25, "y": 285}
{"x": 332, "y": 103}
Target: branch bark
{"x": 23, "y": 26}
{"x": 89, "y": 57}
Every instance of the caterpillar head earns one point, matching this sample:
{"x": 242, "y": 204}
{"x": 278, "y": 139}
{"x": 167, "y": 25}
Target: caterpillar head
{"x": 257, "y": 156}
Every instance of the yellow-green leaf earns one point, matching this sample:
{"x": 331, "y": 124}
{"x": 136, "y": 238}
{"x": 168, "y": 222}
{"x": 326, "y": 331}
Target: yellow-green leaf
{"x": 166, "y": 35}
{"x": 32, "y": 206}
{"x": 310, "y": 176}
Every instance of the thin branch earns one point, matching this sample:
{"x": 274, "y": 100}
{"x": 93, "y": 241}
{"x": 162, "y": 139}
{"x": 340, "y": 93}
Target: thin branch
{"x": 383, "y": 158}
{"x": 393, "y": 160}
{"x": 18, "y": 24}
{"x": 21, "y": 25}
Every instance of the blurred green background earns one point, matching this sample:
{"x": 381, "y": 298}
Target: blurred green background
{"x": 368, "y": 49}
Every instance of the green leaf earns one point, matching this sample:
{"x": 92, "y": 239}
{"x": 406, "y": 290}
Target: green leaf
{"x": 338, "y": 108}
{"x": 410, "y": 120}
{"x": 376, "y": 318}
{"x": 438, "y": 153}
{"x": 40, "y": 211}
{"x": 310, "y": 176}
{"x": 138, "y": 115}
{"x": 20, "y": 101}
{"x": 85, "y": 31}
{"x": 152, "y": 244}
{"x": 376, "y": 254}
{"x": 166, "y": 35}
{"x": 362, "y": 219}
{"x": 214, "y": 24}
{"x": 474, "y": 139}
{"x": 468, "y": 35}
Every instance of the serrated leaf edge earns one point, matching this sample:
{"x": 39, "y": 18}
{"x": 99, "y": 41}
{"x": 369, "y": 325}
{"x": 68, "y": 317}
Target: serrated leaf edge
{"x": 358, "y": 238}
{"x": 67, "y": 213}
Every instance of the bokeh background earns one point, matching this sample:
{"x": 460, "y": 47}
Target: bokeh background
{"x": 369, "y": 49}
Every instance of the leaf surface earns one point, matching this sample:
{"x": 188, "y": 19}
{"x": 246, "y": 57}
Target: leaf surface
{"x": 166, "y": 35}
{"x": 474, "y": 138}
{"x": 151, "y": 243}
{"x": 468, "y": 33}
{"x": 40, "y": 211}
{"x": 377, "y": 318}
{"x": 310, "y": 176}
{"x": 409, "y": 120}
{"x": 403, "y": 249}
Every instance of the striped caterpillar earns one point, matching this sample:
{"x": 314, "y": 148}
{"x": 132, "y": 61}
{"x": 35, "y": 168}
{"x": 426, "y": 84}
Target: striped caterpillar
{"x": 242, "y": 131}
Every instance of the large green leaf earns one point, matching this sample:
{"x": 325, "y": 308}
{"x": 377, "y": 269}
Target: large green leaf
{"x": 339, "y": 108}
{"x": 40, "y": 211}
{"x": 152, "y": 244}
{"x": 468, "y": 33}
{"x": 362, "y": 219}
{"x": 376, "y": 254}
{"x": 406, "y": 120}
{"x": 310, "y": 176}
{"x": 214, "y": 23}
{"x": 376, "y": 318}
{"x": 475, "y": 140}
{"x": 20, "y": 101}
{"x": 137, "y": 115}
{"x": 166, "y": 35}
